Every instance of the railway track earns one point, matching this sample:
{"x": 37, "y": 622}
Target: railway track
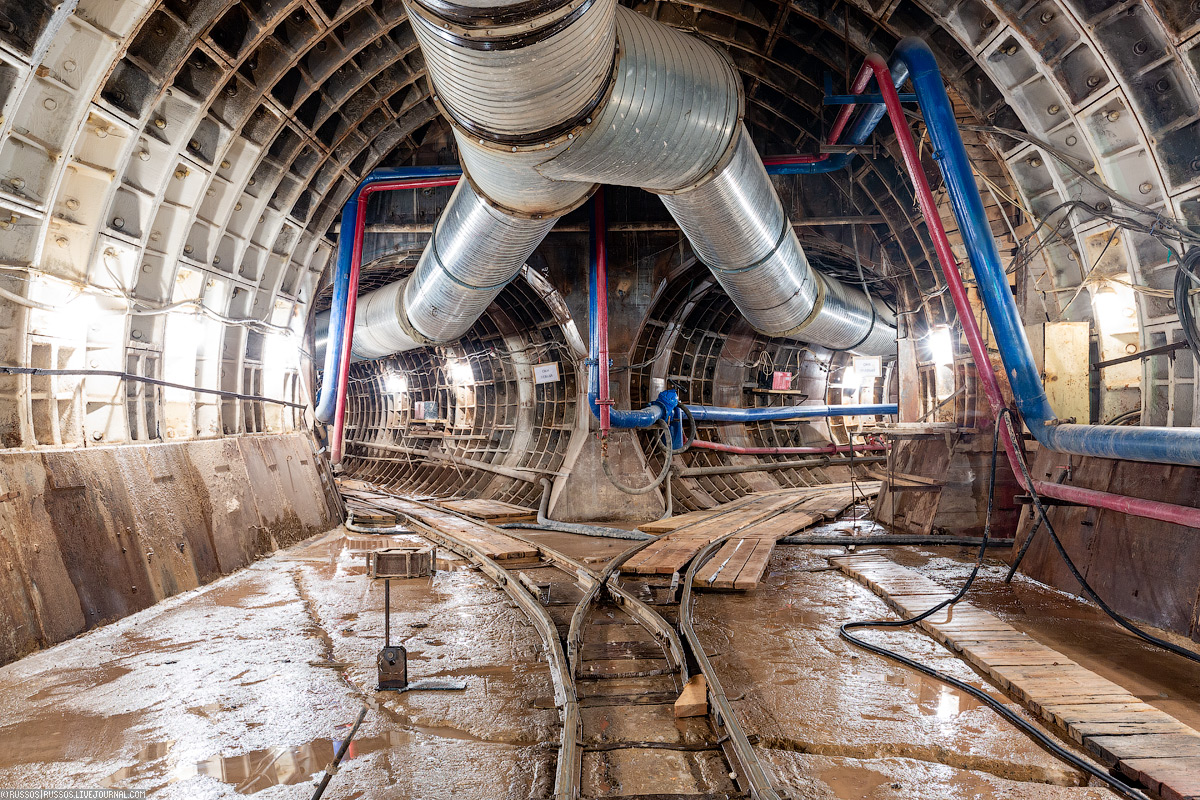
{"x": 620, "y": 650}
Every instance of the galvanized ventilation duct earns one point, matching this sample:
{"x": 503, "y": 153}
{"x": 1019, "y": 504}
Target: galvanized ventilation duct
{"x": 548, "y": 100}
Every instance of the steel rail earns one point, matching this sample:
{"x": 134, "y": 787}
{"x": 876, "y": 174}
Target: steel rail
{"x": 649, "y": 619}
{"x": 566, "y": 778}
{"x": 748, "y": 770}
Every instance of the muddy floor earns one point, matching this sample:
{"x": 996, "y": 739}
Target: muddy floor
{"x": 244, "y": 686}
{"x": 838, "y": 722}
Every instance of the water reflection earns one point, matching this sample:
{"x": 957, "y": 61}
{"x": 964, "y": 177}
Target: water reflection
{"x": 256, "y": 770}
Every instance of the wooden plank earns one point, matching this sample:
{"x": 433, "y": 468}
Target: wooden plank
{"x": 752, "y": 573}
{"x": 1120, "y": 730}
{"x": 1171, "y": 777}
{"x": 491, "y": 510}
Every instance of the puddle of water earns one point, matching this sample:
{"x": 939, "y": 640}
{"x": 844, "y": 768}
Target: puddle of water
{"x": 933, "y": 698}
{"x": 252, "y": 772}
{"x": 852, "y": 782}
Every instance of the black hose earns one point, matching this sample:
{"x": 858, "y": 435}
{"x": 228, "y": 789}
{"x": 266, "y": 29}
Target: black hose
{"x": 1187, "y": 279}
{"x": 331, "y": 770}
{"x": 1026, "y": 727}
{"x": 662, "y": 476}
{"x": 1191, "y": 655}
{"x": 691, "y": 437}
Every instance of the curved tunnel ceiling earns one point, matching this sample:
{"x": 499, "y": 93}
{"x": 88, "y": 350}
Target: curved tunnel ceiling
{"x": 202, "y": 149}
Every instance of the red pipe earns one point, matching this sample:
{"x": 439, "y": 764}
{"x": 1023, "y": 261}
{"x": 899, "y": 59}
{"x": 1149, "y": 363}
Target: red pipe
{"x": 600, "y": 227}
{"x": 835, "y": 133}
{"x": 1150, "y": 509}
{"x": 786, "y": 451}
{"x": 347, "y": 343}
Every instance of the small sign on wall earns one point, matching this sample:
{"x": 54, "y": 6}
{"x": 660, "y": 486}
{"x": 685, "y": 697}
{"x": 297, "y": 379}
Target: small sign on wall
{"x": 545, "y": 373}
{"x": 868, "y": 367}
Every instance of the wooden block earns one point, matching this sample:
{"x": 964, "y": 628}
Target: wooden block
{"x": 1149, "y": 745}
{"x": 693, "y": 700}
{"x": 1171, "y": 777}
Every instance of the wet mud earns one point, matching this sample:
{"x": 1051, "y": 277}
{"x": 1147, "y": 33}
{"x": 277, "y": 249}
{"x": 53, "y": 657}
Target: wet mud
{"x": 837, "y": 722}
{"x": 244, "y": 687}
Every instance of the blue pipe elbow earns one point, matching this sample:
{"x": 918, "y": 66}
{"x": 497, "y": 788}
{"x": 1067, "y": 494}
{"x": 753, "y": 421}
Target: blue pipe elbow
{"x": 867, "y": 121}
{"x": 1153, "y": 444}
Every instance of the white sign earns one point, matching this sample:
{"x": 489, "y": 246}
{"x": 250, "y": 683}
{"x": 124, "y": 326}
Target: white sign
{"x": 868, "y": 366}
{"x": 545, "y": 373}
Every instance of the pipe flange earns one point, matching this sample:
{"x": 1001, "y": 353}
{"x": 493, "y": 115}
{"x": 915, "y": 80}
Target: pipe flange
{"x": 816, "y": 309}
{"x": 565, "y": 132}
{"x": 512, "y": 212}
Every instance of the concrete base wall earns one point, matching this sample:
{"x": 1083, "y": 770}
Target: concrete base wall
{"x": 89, "y": 536}
{"x": 1146, "y": 570}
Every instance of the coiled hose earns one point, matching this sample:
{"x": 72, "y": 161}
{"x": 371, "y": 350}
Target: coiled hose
{"x": 668, "y": 452}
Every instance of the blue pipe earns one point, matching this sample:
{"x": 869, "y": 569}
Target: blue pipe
{"x": 863, "y": 127}
{"x": 664, "y": 406}
{"x": 716, "y": 414}
{"x": 1153, "y": 444}
{"x": 327, "y": 402}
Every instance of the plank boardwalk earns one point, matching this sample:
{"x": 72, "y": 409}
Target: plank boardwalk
{"x": 1121, "y": 731}
{"x": 490, "y": 510}
{"x": 492, "y": 543}
{"x": 759, "y": 521}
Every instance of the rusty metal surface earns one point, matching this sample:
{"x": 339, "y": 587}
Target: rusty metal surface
{"x": 90, "y": 536}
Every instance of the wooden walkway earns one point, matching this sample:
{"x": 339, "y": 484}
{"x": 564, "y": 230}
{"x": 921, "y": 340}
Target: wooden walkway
{"x": 494, "y": 511}
{"x": 759, "y": 521}
{"x": 491, "y": 543}
{"x": 1121, "y": 731}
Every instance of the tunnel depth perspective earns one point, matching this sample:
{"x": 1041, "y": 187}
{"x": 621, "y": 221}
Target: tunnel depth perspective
{"x": 600, "y": 400}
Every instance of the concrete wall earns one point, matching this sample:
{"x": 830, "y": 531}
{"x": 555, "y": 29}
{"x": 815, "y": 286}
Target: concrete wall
{"x": 89, "y": 536}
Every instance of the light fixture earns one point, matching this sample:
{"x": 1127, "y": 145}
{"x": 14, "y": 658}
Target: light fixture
{"x": 461, "y": 373}
{"x": 395, "y": 383}
{"x": 941, "y": 346}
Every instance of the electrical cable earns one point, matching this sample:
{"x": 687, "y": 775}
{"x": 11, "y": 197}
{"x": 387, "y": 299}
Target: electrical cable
{"x": 1026, "y": 727}
{"x": 1184, "y": 278}
{"x": 129, "y": 376}
{"x": 665, "y": 443}
{"x": 1006, "y": 415}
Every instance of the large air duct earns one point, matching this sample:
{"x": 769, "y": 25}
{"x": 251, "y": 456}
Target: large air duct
{"x": 547, "y": 100}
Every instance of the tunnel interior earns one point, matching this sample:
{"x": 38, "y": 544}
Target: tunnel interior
{"x": 596, "y": 299}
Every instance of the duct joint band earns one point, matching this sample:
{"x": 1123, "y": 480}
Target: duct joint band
{"x": 492, "y": 15}
{"x": 818, "y": 304}
{"x": 870, "y": 328}
{"x": 406, "y": 326}
{"x": 512, "y": 41}
{"x": 581, "y": 119}
{"x": 787, "y": 226}
{"x": 437, "y": 259}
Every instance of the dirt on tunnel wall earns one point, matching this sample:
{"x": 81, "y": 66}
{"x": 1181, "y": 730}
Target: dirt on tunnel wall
{"x": 88, "y": 536}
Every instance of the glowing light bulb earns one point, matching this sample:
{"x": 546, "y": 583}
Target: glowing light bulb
{"x": 461, "y": 373}
{"x": 395, "y": 383}
{"x": 941, "y": 346}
